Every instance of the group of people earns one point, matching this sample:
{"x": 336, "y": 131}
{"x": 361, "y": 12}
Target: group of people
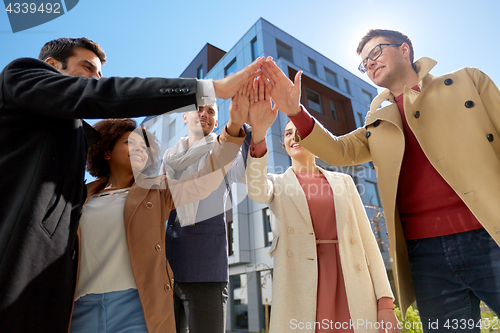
{"x": 144, "y": 248}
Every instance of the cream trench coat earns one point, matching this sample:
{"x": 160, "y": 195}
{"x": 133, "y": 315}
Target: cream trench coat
{"x": 456, "y": 119}
{"x": 293, "y": 249}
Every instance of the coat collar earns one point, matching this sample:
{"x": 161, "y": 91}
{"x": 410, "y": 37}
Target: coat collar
{"x": 339, "y": 198}
{"x": 391, "y": 112}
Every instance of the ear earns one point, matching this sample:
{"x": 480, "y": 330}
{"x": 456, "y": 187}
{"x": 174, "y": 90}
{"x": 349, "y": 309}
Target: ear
{"x": 405, "y": 48}
{"x": 216, "y": 123}
{"x": 107, "y": 156}
{"x": 184, "y": 117}
{"x": 56, "y": 63}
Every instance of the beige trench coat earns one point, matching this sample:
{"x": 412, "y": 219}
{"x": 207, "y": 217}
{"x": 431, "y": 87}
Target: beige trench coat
{"x": 295, "y": 275}
{"x": 457, "y": 126}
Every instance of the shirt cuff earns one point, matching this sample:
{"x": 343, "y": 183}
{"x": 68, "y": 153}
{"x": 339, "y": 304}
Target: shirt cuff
{"x": 385, "y": 303}
{"x": 258, "y": 150}
{"x": 205, "y": 94}
{"x": 303, "y": 122}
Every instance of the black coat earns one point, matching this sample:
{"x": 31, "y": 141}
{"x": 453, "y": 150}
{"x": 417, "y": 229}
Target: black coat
{"x": 42, "y": 160}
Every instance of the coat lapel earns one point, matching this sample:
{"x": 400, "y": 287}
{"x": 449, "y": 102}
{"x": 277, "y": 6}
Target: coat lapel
{"x": 298, "y": 197}
{"x": 340, "y": 199}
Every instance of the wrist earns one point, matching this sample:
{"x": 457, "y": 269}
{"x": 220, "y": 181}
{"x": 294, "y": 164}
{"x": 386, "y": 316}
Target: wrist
{"x": 258, "y": 137}
{"x": 233, "y": 129}
{"x": 292, "y": 112}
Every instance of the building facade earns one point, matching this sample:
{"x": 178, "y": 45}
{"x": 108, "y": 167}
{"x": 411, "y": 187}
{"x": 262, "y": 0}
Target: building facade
{"x": 334, "y": 96}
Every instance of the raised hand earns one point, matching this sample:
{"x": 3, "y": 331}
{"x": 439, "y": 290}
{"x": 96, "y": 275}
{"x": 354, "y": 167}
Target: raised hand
{"x": 227, "y": 87}
{"x": 285, "y": 94}
{"x": 238, "y": 109}
{"x": 261, "y": 114}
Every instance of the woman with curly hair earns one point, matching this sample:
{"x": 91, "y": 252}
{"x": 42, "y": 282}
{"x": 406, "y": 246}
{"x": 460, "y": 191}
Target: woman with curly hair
{"x": 124, "y": 280}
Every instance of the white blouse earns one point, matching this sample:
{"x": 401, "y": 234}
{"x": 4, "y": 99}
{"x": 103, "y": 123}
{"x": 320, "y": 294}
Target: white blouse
{"x": 104, "y": 260}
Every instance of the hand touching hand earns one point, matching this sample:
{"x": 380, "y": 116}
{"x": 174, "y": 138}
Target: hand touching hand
{"x": 228, "y": 86}
{"x": 261, "y": 115}
{"x": 285, "y": 93}
{"x": 238, "y": 109}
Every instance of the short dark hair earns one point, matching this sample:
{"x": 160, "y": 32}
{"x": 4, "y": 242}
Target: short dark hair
{"x": 63, "y": 48}
{"x": 110, "y": 130}
{"x": 392, "y": 36}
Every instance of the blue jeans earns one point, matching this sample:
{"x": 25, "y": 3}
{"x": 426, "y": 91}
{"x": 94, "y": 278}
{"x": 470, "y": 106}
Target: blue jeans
{"x": 113, "y": 312}
{"x": 451, "y": 274}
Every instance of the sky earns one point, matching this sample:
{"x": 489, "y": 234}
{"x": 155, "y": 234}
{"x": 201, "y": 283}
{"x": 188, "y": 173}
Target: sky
{"x": 160, "y": 38}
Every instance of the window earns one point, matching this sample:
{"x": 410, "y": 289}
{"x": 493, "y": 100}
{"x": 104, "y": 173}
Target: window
{"x": 367, "y": 98}
{"x": 199, "y": 72}
{"x": 331, "y": 77}
{"x": 314, "y": 101}
{"x": 333, "y": 109}
{"x": 238, "y": 284}
{"x": 371, "y": 194}
{"x": 255, "y": 49}
{"x": 361, "y": 119}
{"x": 171, "y": 130}
{"x": 231, "y": 68}
{"x": 230, "y": 231}
{"x": 284, "y": 51}
{"x": 347, "y": 86}
{"x": 312, "y": 67}
{"x": 268, "y": 233}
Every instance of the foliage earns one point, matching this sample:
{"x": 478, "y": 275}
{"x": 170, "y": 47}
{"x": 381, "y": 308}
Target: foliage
{"x": 412, "y": 323}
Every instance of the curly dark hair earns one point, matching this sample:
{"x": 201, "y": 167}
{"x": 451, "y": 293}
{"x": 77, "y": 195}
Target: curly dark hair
{"x": 110, "y": 131}
{"x": 63, "y": 48}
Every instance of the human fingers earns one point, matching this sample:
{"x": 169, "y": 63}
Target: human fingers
{"x": 261, "y": 90}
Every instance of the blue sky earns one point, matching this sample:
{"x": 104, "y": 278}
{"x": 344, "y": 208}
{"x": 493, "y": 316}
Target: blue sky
{"x": 160, "y": 38}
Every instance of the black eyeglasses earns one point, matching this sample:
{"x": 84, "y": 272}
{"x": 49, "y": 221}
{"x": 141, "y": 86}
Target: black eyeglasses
{"x": 373, "y": 55}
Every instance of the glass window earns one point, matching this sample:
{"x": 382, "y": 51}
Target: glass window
{"x": 367, "y": 98}
{"x": 347, "y": 86}
{"x": 255, "y": 49}
{"x": 268, "y": 233}
{"x": 238, "y": 284}
{"x": 314, "y": 101}
{"x": 333, "y": 109}
{"x": 361, "y": 119}
{"x": 312, "y": 67}
{"x": 171, "y": 130}
{"x": 266, "y": 289}
{"x": 331, "y": 77}
{"x": 372, "y": 195}
{"x": 199, "y": 72}
{"x": 231, "y": 68}
{"x": 284, "y": 51}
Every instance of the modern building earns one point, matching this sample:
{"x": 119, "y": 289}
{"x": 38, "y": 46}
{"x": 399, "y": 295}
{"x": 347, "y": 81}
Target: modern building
{"x": 334, "y": 96}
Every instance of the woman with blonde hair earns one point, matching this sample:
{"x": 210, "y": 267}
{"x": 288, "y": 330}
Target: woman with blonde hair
{"x": 328, "y": 271}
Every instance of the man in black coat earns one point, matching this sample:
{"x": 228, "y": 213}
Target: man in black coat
{"x": 42, "y": 160}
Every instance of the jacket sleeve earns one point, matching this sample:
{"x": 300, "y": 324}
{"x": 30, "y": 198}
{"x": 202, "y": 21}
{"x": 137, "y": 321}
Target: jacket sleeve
{"x": 199, "y": 185}
{"x": 38, "y": 88}
{"x": 260, "y": 185}
{"x": 374, "y": 258}
{"x": 489, "y": 93}
{"x": 349, "y": 149}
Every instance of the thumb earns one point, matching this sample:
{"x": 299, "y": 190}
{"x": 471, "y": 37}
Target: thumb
{"x": 297, "y": 81}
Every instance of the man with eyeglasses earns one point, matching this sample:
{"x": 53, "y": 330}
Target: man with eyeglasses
{"x": 436, "y": 152}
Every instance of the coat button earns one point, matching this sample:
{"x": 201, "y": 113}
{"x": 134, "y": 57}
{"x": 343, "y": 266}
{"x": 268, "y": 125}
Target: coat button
{"x": 149, "y": 205}
{"x": 177, "y": 90}
{"x": 376, "y": 123}
{"x": 170, "y": 90}
{"x": 167, "y": 288}
{"x": 354, "y": 241}
{"x": 290, "y": 230}
{"x": 367, "y": 134}
{"x": 185, "y": 90}
{"x": 360, "y": 266}
{"x": 469, "y": 104}
{"x": 163, "y": 90}
{"x": 417, "y": 114}
{"x": 490, "y": 137}
{"x": 289, "y": 253}
{"x": 448, "y": 82}
{"x": 158, "y": 248}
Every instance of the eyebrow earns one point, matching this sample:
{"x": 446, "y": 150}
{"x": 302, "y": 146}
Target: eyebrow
{"x": 90, "y": 63}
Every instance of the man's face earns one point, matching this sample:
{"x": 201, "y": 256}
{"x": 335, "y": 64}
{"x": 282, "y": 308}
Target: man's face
{"x": 83, "y": 63}
{"x": 205, "y": 119}
{"x": 386, "y": 70}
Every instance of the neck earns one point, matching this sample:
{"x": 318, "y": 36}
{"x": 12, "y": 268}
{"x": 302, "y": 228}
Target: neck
{"x": 194, "y": 137}
{"x": 301, "y": 165}
{"x": 409, "y": 80}
{"x": 119, "y": 180}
